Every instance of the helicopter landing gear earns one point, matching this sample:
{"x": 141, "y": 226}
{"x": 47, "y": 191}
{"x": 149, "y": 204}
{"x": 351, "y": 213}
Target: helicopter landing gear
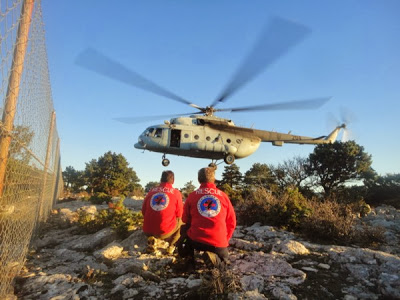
{"x": 229, "y": 159}
{"x": 165, "y": 161}
{"x": 213, "y": 165}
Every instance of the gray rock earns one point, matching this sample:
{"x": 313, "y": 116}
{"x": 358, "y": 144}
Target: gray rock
{"x": 290, "y": 247}
{"x": 93, "y": 241}
{"x": 110, "y": 252}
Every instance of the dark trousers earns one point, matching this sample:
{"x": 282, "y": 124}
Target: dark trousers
{"x": 187, "y": 246}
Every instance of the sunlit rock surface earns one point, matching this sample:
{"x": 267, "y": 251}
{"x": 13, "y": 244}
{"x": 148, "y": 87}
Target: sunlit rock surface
{"x": 266, "y": 263}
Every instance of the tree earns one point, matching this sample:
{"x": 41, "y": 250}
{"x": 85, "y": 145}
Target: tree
{"x": 21, "y": 139}
{"x": 73, "y": 179}
{"x": 232, "y": 183}
{"x": 232, "y": 177}
{"x": 150, "y": 185}
{"x": 260, "y": 175}
{"x": 335, "y": 164}
{"x": 187, "y": 189}
{"x": 111, "y": 174}
{"x": 384, "y": 190}
{"x": 292, "y": 174}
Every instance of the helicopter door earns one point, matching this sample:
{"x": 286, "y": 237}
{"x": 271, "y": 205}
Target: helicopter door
{"x": 175, "y": 138}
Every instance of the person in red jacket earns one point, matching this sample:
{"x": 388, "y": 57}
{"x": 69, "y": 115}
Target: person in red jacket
{"x": 209, "y": 219}
{"x": 162, "y": 212}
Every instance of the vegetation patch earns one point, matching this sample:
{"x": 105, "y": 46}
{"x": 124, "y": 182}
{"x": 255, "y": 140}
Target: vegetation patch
{"x": 117, "y": 216}
{"x": 320, "y": 221}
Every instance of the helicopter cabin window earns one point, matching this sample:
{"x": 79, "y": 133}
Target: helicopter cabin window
{"x": 196, "y": 137}
{"x": 208, "y": 138}
{"x": 158, "y": 133}
{"x": 228, "y": 141}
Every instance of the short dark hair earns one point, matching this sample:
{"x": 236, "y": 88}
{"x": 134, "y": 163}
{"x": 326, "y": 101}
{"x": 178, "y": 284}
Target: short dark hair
{"x": 206, "y": 175}
{"x": 168, "y": 176}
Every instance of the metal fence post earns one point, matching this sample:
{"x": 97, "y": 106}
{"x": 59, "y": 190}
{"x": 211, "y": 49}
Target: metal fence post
{"x": 46, "y": 164}
{"x": 13, "y": 87}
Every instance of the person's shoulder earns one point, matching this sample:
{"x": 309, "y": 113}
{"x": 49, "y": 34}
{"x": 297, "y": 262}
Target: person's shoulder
{"x": 177, "y": 191}
{"x": 224, "y": 195}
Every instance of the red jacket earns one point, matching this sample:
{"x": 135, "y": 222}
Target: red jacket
{"x": 210, "y": 216}
{"x": 160, "y": 209}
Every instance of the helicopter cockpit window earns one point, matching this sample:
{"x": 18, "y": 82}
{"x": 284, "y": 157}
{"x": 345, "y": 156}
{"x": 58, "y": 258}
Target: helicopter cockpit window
{"x": 200, "y": 122}
{"x": 158, "y": 133}
{"x": 149, "y": 132}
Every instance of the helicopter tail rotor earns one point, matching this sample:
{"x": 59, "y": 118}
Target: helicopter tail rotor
{"x": 346, "y": 118}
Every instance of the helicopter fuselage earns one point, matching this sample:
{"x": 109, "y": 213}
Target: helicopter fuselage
{"x": 196, "y": 137}
{"x": 216, "y": 138}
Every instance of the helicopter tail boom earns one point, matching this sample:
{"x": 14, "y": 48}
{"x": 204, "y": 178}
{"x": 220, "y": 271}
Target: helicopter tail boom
{"x": 278, "y": 139}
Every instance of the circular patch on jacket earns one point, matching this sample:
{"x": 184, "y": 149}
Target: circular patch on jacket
{"x": 209, "y": 206}
{"x": 159, "y": 201}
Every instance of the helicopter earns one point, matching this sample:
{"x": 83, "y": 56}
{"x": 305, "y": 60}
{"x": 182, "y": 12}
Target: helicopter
{"x": 202, "y": 134}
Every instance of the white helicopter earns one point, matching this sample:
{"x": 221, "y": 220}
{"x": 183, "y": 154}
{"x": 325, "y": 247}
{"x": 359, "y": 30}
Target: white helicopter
{"x": 201, "y": 134}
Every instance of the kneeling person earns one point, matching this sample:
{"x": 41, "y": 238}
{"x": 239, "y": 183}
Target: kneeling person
{"x": 209, "y": 219}
{"x": 162, "y": 211}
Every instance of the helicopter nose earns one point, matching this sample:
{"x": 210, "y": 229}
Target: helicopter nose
{"x": 140, "y": 144}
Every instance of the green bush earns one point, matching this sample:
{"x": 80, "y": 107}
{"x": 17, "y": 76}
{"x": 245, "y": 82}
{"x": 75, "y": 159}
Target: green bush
{"x": 117, "y": 216}
{"x": 321, "y": 221}
{"x": 288, "y": 211}
{"x": 100, "y": 198}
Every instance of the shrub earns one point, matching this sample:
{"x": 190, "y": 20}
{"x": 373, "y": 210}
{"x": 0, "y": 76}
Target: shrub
{"x": 117, "y": 216}
{"x": 287, "y": 211}
{"x": 256, "y": 207}
{"x": 100, "y": 198}
{"x": 327, "y": 220}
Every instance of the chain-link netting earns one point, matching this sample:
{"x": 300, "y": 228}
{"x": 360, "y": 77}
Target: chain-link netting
{"x": 30, "y": 172}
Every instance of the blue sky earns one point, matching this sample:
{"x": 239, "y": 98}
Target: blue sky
{"x": 193, "y": 47}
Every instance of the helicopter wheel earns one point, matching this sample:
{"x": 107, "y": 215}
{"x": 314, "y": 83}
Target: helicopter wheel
{"x": 165, "y": 161}
{"x": 213, "y": 165}
{"x": 229, "y": 159}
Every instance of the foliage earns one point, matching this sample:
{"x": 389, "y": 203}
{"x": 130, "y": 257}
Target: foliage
{"x": 150, "y": 185}
{"x": 73, "y": 179}
{"x": 110, "y": 174}
{"x": 235, "y": 195}
{"x": 330, "y": 222}
{"x": 100, "y": 198}
{"x": 335, "y": 164}
{"x": 260, "y": 175}
{"x": 384, "y": 190}
{"x": 288, "y": 211}
{"x": 326, "y": 220}
{"x": 291, "y": 172}
{"x": 22, "y": 137}
{"x": 117, "y": 216}
{"x": 231, "y": 176}
{"x": 187, "y": 189}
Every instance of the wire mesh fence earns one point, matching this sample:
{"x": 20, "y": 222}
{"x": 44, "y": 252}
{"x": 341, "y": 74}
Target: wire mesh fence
{"x": 30, "y": 172}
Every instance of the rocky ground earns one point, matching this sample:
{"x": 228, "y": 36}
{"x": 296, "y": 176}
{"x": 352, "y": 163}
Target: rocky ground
{"x": 266, "y": 263}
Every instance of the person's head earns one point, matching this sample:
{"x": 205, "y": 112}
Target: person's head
{"x": 168, "y": 177}
{"x": 206, "y": 175}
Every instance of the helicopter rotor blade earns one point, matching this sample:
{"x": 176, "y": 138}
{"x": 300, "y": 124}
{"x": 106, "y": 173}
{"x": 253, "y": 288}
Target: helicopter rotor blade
{"x": 278, "y": 37}
{"x": 94, "y": 61}
{"x": 291, "y": 105}
{"x": 141, "y": 119}
{"x": 346, "y": 117}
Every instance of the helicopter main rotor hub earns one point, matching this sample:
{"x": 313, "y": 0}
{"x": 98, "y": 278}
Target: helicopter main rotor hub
{"x": 209, "y": 111}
